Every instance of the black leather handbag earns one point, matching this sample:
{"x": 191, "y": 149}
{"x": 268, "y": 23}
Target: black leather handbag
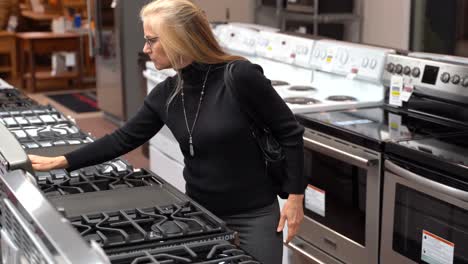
{"x": 273, "y": 154}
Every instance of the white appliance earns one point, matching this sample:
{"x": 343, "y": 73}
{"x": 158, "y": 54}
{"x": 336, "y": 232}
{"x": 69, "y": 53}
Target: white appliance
{"x": 166, "y": 159}
{"x": 346, "y": 75}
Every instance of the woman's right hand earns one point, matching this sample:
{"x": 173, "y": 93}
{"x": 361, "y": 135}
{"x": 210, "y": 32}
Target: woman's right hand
{"x": 40, "y": 163}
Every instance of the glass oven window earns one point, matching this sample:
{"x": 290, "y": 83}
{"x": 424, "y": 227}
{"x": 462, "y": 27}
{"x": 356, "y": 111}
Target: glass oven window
{"x": 344, "y": 190}
{"x": 415, "y": 212}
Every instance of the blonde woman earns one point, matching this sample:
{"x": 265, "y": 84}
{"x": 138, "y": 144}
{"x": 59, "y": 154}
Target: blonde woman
{"x": 224, "y": 168}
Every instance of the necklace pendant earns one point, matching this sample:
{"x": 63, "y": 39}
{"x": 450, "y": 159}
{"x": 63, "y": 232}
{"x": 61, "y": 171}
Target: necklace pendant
{"x": 192, "y": 152}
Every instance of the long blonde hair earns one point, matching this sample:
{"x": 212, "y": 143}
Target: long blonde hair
{"x": 185, "y": 34}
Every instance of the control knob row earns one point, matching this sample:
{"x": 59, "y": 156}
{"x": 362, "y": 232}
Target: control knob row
{"x": 399, "y": 69}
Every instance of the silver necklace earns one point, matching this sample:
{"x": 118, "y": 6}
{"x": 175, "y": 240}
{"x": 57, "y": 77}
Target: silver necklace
{"x": 190, "y": 131}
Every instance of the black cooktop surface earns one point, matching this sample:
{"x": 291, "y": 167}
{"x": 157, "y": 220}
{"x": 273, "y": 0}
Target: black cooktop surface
{"x": 371, "y": 127}
{"x": 31, "y": 116}
{"x": 447, "y": 153}
{"x": 214, "y": 252}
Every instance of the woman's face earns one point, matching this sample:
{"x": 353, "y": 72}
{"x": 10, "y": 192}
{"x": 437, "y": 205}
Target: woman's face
{"x": 154, "y": 48}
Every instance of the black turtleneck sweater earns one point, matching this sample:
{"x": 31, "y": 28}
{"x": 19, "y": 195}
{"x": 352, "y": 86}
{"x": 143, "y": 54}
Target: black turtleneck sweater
{"x": 227, "y": 173}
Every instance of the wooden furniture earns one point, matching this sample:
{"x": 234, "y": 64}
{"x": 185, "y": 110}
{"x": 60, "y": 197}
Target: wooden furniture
{"x": 8, "y": 48}
{"x": 36, "y": 43}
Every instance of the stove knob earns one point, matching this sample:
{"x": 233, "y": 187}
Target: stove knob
{"x": 390, "y": 67}
{"x": 416, "y": 72}
{"x": 316, "y": 53}
{"x": 465, "y": 82}
{"x": 456, "y": 79}
{"x": 344, "y": 57}
{"x": 398, "y": 69}
{"x": 323, "y": 54}
{"x": 365, "y": 62}
{"x": 373, "y": 63}
{"x": 406, "y": 70}
{"x": 445, "y": 77}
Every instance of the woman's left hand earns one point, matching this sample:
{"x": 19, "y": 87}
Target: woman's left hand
{"x": 293, "y": 213}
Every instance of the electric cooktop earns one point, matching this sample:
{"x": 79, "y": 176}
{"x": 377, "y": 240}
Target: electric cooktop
{"x": 370, "y": 127}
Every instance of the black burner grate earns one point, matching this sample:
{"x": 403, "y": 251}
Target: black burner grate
{"x": 155, "y": 224}
{"x": 112, "y": 175}
{"x": 14, "y": 99}
{"x": 214, "y": 252}
{"x": 50, "y": 135}
{"x": 31, "y": 116}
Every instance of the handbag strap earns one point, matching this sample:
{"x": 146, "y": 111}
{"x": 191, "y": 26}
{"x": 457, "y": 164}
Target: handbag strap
{"x": 228, "y": 80}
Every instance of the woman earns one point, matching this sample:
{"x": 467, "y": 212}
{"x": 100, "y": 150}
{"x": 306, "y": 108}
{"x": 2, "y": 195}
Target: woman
{"x": 224, "y": 168}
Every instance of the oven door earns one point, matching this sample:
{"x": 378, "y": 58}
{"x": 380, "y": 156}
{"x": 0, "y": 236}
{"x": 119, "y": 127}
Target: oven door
{"x": 424, "y": 221}
{"x": 342, "y": 199}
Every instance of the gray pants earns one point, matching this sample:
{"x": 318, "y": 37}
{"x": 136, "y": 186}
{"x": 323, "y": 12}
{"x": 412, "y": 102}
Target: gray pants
{"x": 257, "y": 233}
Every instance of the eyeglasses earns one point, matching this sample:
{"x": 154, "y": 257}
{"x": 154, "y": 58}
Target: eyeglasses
{"x": 151, "y": 41}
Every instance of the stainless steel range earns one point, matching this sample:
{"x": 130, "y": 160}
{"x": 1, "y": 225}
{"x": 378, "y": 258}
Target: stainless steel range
{"x": 425, "y": 202}
{"x": 16, "y": 116}
{"x": 32, "y": 231}
{"x": 112, "y": 206}
{"x": 344, "y": 153}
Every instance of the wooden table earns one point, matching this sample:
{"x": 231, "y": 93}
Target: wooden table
{"x": 40, "y": 43}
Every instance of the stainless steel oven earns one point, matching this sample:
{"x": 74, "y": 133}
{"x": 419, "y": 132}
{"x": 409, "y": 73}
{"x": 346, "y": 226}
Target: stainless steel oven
{"x": 424, "y": 216}
{"x": 341, "y": 201}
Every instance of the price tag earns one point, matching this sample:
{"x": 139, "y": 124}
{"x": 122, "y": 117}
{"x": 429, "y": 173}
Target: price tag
{"x": 436, "y": 250}
{"x": 315, "y": 200}
{"x": 396, "y": 85}
{"x": 407, "y": 90}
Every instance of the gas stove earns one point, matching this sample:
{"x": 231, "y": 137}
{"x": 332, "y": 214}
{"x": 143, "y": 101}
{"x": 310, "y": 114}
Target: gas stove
{"x": 150, "y": 227}
{"x": 30, "y": 116}
{"x": 215, "y": 252}
{"x": 61, "y": 134}
{"x": 12, "y": 98}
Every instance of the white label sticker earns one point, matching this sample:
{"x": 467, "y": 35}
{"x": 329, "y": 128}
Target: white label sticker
{"x": 436, "y": 250}
{"x": 396, "y": 85}
{"x": 315, "y": 200}
{"x": 407, "y": 90}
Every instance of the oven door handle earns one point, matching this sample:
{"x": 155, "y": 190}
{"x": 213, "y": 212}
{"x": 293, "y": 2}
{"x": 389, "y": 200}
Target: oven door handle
{"x": 339, "y": 154}
{"x": 439, "y": 187}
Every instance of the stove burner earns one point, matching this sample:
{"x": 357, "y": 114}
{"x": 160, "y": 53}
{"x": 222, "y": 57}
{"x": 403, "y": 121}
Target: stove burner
{"x": 12, "y": 116}
{"x": 342, "y": 98}
{"x": 149, "y": 225}
{"x": 108, "y": 176}
{"x": 12, "y": 98}
{"x": 50, "y": 135}
{"x": 301, "y": 100}
{"x": 278, "y": 83}
{"x": 302, "y": 88}
{"x": 215, "y": 252}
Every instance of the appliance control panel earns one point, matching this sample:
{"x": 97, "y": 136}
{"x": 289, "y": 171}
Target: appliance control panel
{"x": 291, "y": 49}
{"x": 349, "y": 59}
{"x": 264, "y": 46}
{"x": 237, "y": 39}
{"x": 443, "y": 79}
